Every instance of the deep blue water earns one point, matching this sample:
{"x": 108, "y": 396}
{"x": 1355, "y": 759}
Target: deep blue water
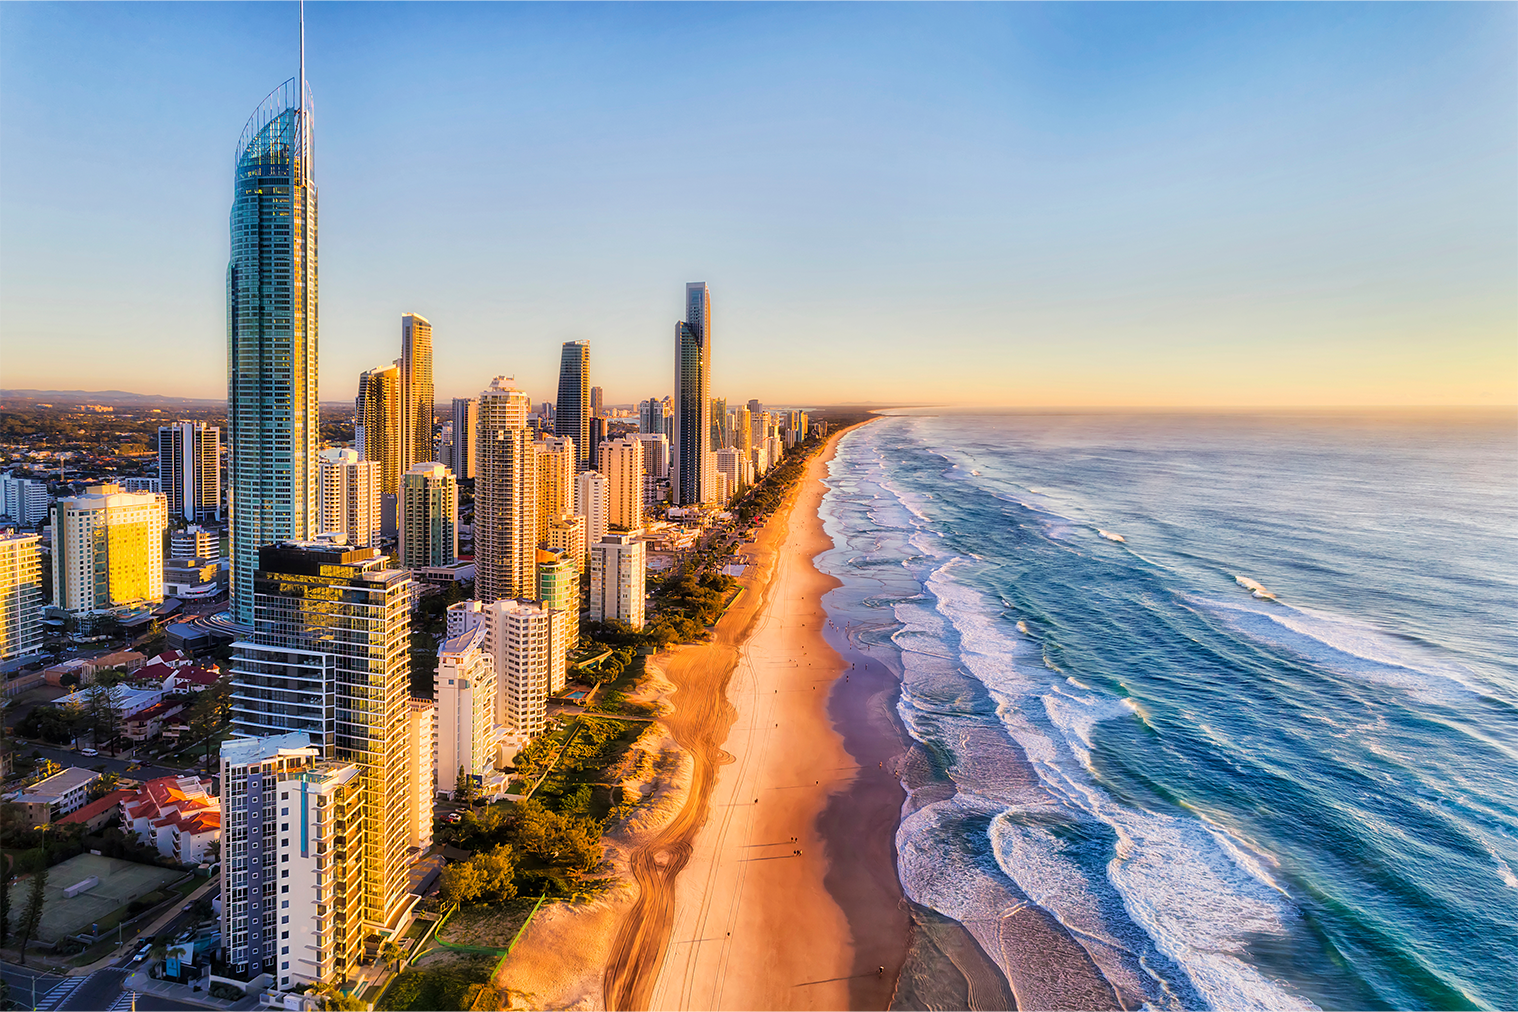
{"x": 1265, "y": 670}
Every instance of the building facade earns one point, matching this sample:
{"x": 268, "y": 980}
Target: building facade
{"x": 329, "y": 656}
{"x": 416, "y": 391}
{"x": 349, "y": 490}
{"x": 571, "y": 414}
{"x": 556, "y": 481}
{"x": 422, "y": 775}
{"x": 691, "y": 442}
{"x": 505, "y": 496}
{"x": 466, "y": 693}
{"x": 189, "y": 470}
{"x": 294, "y": 896}
{"x": 466, "y": 423}
{"x": 272, "y": 420}
{"x": 108, "y": 549}
{"x": 618, "y": 564}
{"x": 567, "y": 535}
{"x": 622, "y": 464}
{"x": 655, "y": 454}
{"x": 377, "y": 423}
{"x": 591, "y": 496}
{"x": 559, "y": 590}
{"x": 429, "y": 513}
{"x": 22, "y": 500}
{"x": 20, "y": 597}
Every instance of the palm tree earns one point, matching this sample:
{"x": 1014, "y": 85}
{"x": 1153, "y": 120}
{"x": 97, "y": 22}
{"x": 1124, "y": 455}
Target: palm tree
{"x": 391, "y": 955}
{"x": 335, "y": 999}
{"x": 158, "y": 952}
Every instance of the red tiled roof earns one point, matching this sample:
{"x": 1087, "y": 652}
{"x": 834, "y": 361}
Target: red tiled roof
{"x": 94, "y": 808}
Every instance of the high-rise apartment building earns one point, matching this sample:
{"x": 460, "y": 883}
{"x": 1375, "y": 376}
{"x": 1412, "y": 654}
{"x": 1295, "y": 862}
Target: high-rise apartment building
{"x": 429, "y": 512}
{"x": 691, "y": 442}
{"x": 597, "y": 408}
{"x": 622, "y": 464}
{"x": 571, "y": 416}
{"x": 559, "y": 589}
{"x": 650, "y": 416}
{"x": 21, "y": 597}
{"x": 416, "y": 390}
{"x": 189, "y": 470}
{"x": 556, "y": 481}
{"x": 597, "y": 437}
{"x": 618, "y": 565}
{"x": 743, "y": 431}
{"x": 329, "y": 655}
{"x": 505, "y": 496}
{"x": 466, "y": 424}
{"x": 465, "y": 689}
{"x": 108, "y": 549}
{"x": 591, "y": 496}
{"x": 719, "y": 422}
{"x": 421, "y": 776}
{"x": 293, "y": 878}
{"x": 655, "y": 454}
{"x": 348, "y": 489}
{"x": 733, "y": 464}
{"x": 22, "y": 500}
{"x": 272, "y": 420}
{"x": 567, "y": 535}
{"x": 521, "y": 635}
{"x": 377, "y": 423}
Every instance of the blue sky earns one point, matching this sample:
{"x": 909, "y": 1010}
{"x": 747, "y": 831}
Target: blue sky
{"x": 1107, "y": 204}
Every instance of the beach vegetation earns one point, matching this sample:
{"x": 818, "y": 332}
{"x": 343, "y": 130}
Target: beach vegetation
{"x": 454, "y": 983}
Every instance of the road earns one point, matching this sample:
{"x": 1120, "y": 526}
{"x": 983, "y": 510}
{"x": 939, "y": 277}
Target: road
{"x": 68, "y": 757}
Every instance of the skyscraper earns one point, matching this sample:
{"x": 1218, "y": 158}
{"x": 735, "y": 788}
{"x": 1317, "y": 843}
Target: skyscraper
{"x": 272, "y": 422}
{"x": 622, "y": 464}
{"x": 571, "y": 415}
{"x": 189, "y": 469}
{"x": 556, "y": 481}
{"x": 416, "y": 391}
{"x": 618, "y": 566}
{"x": 21, "y": 596}
{"x": 429, "y": 510}
{"x": 108, "y": 549}
{"x": 590, "y": 503}
{"x": 691, "y": 443}
{"x": 505, "y": 496}
{"x": 377, "y": 423}
{"x": 596, "y": 407}
{"x": 329, "y": 656}
{"x": 466, "y": 423}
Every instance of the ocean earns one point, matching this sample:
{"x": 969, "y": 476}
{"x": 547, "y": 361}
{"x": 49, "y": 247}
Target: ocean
{"x": 1233, "y": 699}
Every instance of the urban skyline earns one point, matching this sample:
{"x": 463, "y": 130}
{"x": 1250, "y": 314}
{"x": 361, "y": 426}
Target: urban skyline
{"x": 1060, "y": 197}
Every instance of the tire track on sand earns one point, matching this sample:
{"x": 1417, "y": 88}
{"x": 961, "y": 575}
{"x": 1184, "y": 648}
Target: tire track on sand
{"x": 700, "y": 724}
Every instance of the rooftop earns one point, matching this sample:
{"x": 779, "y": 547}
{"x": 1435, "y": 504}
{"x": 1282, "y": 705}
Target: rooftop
{"x": 59, "y": 784}
{"x": 241, "y": 751}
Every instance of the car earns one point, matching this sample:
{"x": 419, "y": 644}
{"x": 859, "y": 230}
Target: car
{"x": 188, "y": 907}
{"x": 88, "y": 751}
{"x": 453, "y": 818}
{"x": 142, "y": 953}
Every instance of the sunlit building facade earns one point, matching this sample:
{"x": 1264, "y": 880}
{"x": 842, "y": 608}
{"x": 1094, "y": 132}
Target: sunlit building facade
{"x": 571, "y": 412}
{"x": 108, "y": 548}
{"x": 691, "y": 442}
{"x": 272, "y": 420}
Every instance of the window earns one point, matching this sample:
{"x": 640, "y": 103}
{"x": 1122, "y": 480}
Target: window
{"x": 284, "y": 811}
{"x": 285, "y": 919}
{"x": 284, "y": 873}
{"x": 284, "y": 903}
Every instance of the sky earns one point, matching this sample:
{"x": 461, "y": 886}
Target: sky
{"x": 1172, "y": 205}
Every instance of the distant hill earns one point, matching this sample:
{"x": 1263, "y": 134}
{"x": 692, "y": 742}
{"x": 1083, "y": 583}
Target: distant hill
{"x": 113, "y": 398}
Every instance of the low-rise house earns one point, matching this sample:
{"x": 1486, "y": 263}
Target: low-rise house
{"x": 128, "y": 701}
{"x": 131, "y": 660}
{"x": 149, "y": 723}
{"x": 191, "y": 679}
{"x": 97, "y": 813}
{"x": 56, "y": 796}
{"x": 176, "y": 815}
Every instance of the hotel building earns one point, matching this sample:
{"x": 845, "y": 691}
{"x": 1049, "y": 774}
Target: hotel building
{"x": 108, "y": 549}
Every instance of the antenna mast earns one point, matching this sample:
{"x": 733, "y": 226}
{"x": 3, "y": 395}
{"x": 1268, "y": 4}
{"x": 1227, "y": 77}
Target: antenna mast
{"x": 300, "y": 99}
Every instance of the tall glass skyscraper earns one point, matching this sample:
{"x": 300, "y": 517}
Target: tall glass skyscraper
{"x": 416, "y": 391}
{"x": 272, "y": 422}
{"x": 571, "y": 414}
{"x": 692, "y": 402}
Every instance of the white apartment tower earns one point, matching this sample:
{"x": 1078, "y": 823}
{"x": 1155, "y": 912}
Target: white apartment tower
{"x": 617, "y": 567}
{"x": 292, "y": 881}
{"x": 189, "y": 470}
{"x": 465, "y": 689}
{"x": 521, "y": 636}
{"x": 421, "y": 777}
{"x": 348, "y": 494}
{"x": 591, "y": 495}
{"x": 505, "y": 496}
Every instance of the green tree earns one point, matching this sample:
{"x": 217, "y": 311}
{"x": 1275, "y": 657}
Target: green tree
{"x": 464, "y": 791}
{"x": 338, "y": 1000}
{"x": 101, "y": 714}
{"x": 391, "y": 955}
{"x": 105, "y": 785}
{"x": 497, "y": 872}
{"x": 31, "y": 914}
{"x": 461, "y": 882}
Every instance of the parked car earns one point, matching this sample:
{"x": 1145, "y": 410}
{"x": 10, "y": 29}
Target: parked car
{"x": 88, "y": 751}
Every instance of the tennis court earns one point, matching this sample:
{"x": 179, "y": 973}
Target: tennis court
{"x": 121, "y": 882}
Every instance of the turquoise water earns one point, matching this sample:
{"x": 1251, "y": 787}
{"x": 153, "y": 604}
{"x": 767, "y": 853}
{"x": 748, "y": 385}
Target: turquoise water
{"x": 1264, "y": 671}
